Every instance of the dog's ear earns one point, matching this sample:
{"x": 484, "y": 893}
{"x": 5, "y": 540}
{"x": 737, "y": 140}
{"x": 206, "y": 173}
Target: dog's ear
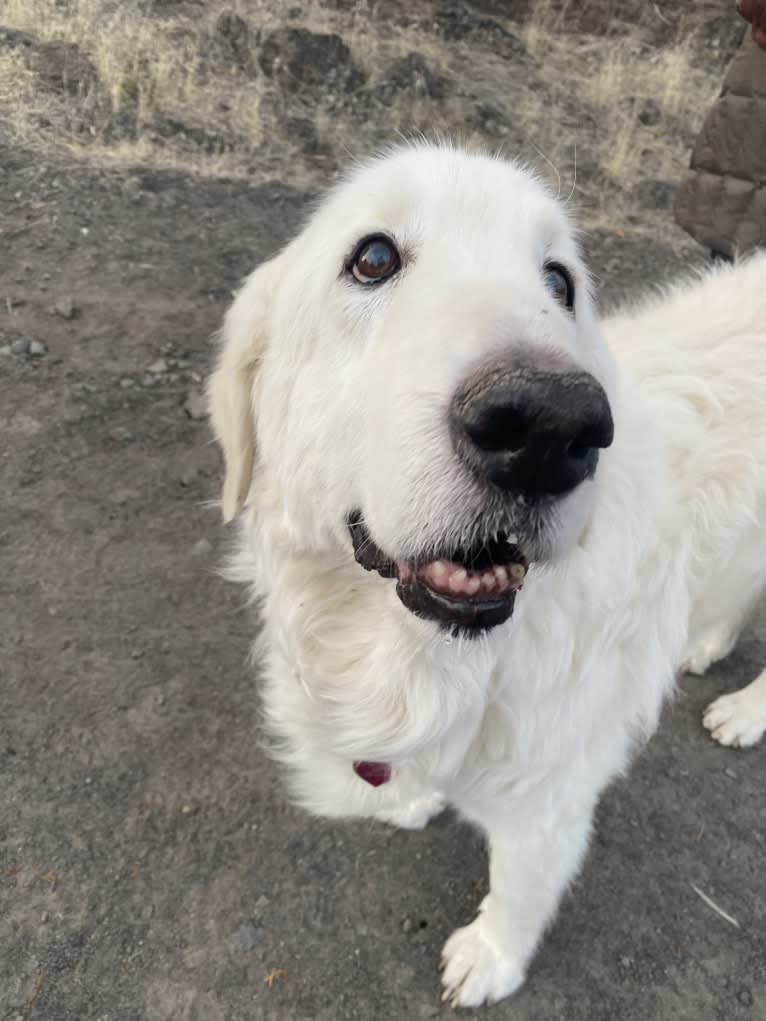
{"x": 231, "y": 388}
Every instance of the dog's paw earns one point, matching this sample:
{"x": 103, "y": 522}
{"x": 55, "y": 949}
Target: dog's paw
{"x": 475, "y": 970}
{"x": 737, "y": 720}
{"x": 415, "y": 814}
{"x": 711, "y": 648}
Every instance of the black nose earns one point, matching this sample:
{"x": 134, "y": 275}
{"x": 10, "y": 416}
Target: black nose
{"x": 532, "y": 432}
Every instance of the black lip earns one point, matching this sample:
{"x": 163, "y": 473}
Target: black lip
{"x": 455, "y": 614}
{"x": 366, "y": 553}
{"x": 469, "y": 616}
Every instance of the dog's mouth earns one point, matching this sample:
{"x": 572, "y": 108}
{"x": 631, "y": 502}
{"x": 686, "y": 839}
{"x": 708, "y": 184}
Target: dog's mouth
{"x": 470, "y": 589}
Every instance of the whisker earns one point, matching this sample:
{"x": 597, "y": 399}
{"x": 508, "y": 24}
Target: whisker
{"x": 574, "y": 179}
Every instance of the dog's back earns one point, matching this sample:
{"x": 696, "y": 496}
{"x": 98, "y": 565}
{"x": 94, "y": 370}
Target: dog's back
{"x": 698, "y": 353}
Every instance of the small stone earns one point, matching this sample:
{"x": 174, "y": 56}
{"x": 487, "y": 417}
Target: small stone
{"x": 188, "y": 809}
{"x": 126, "y": 382}
{"x": 195, "y": 405}
{"x": 261, "y": 903}
{"x": 5, "y": 349}
{"x": 745, "y": 997}
{"x": 407, "y": 925}
{"x": 158, "y": 367}
{"x": 137, "y": 654}
{"x": 201, "y": 548}
{"x": 44, "y": 917}
{"x": 37, "y": 349}
{"x": 655, "y": 193}
{"x": 650, "y": 113}
{"x": 66, "y": 308}
{"x": 20, "y": 346}
{"x": 427, "y": 1010}
{"x": 248, "y": 935}
{"x": 188, "y": 474}
{"x": 123, "y": 496}
{"x": 730, "y": 773}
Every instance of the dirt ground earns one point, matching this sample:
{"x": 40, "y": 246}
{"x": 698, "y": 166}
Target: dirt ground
{"x": 150, "y": 867}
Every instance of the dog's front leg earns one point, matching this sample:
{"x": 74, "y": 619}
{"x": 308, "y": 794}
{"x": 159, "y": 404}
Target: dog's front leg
{"x": 531, "y": 863}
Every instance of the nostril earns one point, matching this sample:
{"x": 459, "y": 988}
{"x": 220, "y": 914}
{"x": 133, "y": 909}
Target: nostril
{"x": 499, "y": 428}
{"x": 578, "y": 450}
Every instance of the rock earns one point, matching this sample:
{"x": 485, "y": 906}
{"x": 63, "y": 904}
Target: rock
{"x": 13, "y": 39}
{"x": 61, "y": 67}
{"x": 202, "y": 547}
{"x": 249, "y": 935}
{"x": 455, "y": 20}
{"x": 655, "y": 193}
{"x": 126, "y": 382}
{"x": 123, "y": 496}
{"x": 187, "y": 474}
{"x": 298, "y": 59}
{"x": 195, "y": 405}
{"x": 650, "y": 113}
{"x": 427, "y": 1010}
{"x": 412, "y": 74}
{"x": 133, "y": 187}
{"x": 490, "y": 119}
{"x": 121, "y": 434}
{"x": 122, "y": 125}
{"x": 20, "y": 346}
{"x": 234, "y": 38}
{"x": 37, "y": 349}
{"x": 206, "y": 139}
{"x": 66, "y": 308}
{"x": 158, "y": 367}
{"x": 304, "y": 132}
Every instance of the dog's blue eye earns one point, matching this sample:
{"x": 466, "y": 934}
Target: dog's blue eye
{"x": 559, "y": 282}
{"x": 375, "y": 259}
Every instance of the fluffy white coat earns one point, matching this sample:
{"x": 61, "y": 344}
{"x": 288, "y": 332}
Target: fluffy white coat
{"x": 328, "y": 397}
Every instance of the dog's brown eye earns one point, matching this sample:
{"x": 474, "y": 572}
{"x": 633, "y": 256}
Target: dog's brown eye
{"x": 559, "y": 282}
{"x": 375, "y": 259}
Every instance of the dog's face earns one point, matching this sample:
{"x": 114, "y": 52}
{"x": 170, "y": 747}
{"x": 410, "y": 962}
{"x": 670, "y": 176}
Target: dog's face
{"x": 420, "y": 378}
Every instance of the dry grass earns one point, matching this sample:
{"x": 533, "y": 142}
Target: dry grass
{"x": 577, "y": 92}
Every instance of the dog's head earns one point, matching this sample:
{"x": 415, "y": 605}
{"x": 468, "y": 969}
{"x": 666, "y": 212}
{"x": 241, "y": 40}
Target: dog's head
{"x": 420, "y": 378}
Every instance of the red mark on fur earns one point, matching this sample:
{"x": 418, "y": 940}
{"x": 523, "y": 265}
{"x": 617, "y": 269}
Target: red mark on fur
{"x": 373, "y": 773}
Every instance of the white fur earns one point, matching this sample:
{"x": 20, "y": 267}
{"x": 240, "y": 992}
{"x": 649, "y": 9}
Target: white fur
{"x": 330, "y": 397}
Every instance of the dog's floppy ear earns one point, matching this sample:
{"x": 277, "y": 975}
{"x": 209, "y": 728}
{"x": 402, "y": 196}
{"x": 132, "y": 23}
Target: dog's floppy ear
{"x": 230, "y": 391}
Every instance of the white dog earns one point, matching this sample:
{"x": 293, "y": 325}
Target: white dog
{"x": 419, "y": 414}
